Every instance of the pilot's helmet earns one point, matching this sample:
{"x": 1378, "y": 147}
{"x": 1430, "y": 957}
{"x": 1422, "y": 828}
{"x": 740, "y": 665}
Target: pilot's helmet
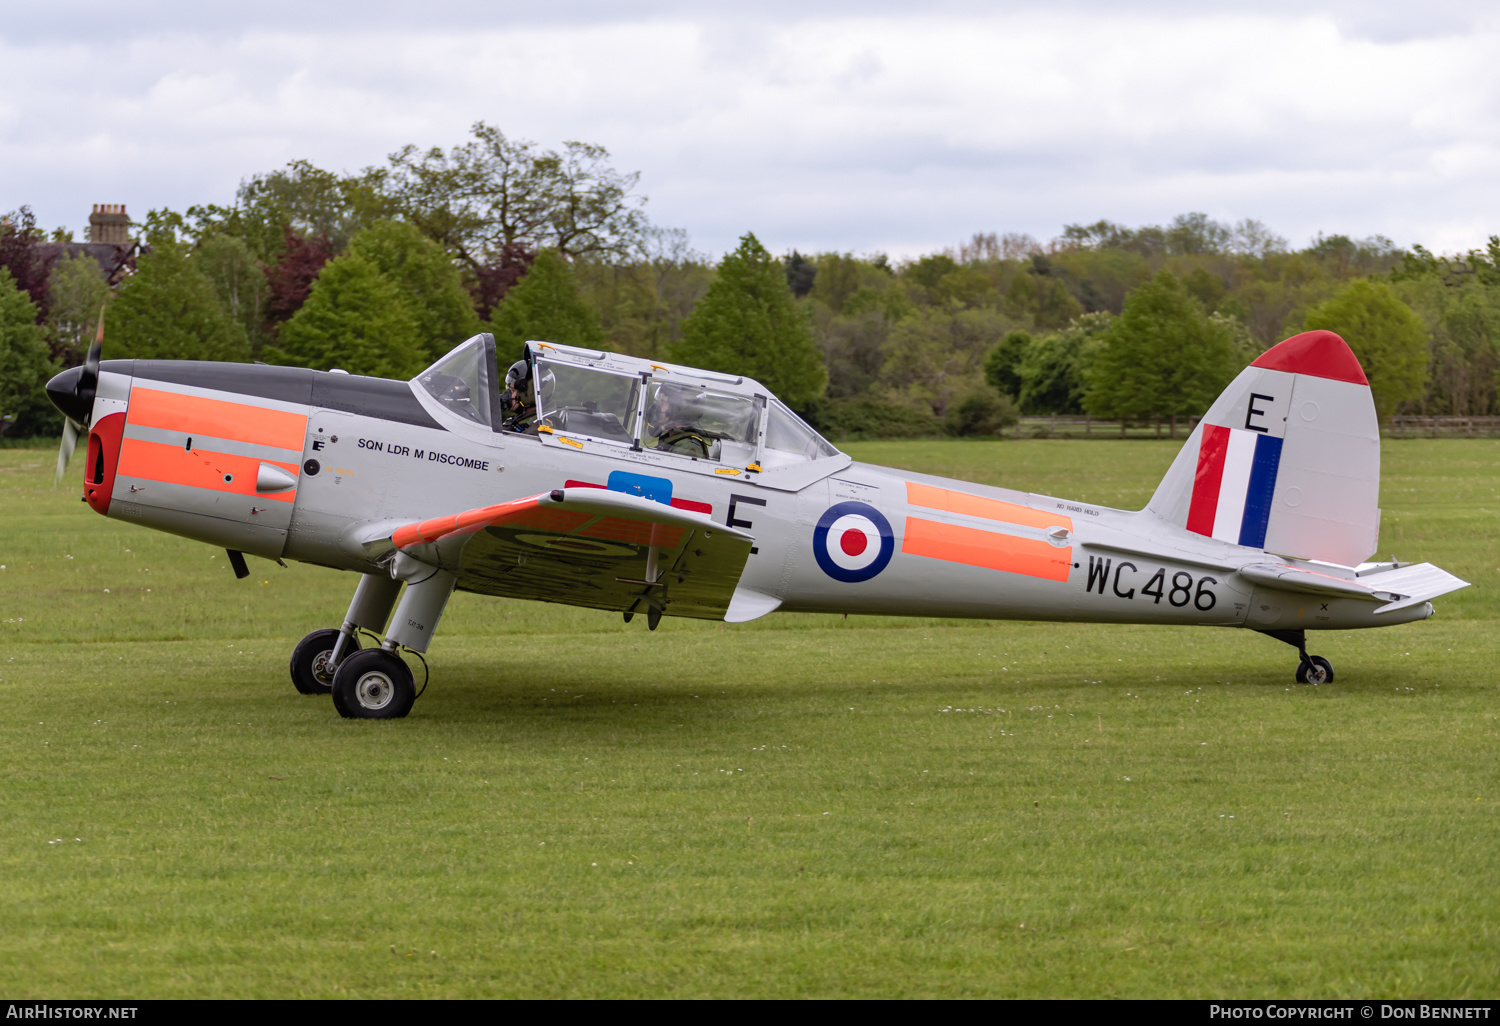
{"x": 675, "y": 396}
{"x": 518, "y": 375}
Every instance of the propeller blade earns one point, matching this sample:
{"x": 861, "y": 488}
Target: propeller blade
{"x": 65, "y": 450}
{"x": 89, "y": 381}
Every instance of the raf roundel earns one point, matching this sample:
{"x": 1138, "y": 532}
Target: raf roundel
{"x": 853, "y": 542}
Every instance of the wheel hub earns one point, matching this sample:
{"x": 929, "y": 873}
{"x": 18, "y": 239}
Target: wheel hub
{"x": 323, "y": 668}
{"x": 374, "y": 691}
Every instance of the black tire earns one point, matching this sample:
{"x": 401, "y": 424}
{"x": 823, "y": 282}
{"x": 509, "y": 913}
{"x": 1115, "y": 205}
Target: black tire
{"x": 373, "y": 685}
{"x": 310, "y": 674}
{"x": 1315, "y": 670}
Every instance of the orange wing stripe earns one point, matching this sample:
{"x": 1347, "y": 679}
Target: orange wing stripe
{"x": 528, "y": 513}
{"x": 469, "y": 520}
{"x": 171, "y": 464}
{"x": 195, "y": 415}
{"x": 973, "y": 547}
{"x": 950, "y": 501}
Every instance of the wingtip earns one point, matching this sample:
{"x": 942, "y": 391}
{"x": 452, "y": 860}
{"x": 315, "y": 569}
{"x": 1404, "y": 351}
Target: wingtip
{"x": 1319, "y": 354}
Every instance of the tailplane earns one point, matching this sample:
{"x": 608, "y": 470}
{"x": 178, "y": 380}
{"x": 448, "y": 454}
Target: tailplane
{"x": 1287, "y": 459}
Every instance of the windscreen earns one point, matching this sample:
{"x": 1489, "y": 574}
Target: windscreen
{"x": 460, "y": 380}
{"x": 787, "y": 434}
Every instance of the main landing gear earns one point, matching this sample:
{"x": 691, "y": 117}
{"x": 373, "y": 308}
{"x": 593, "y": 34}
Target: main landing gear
{"x": 1312, "y": 669}
{"x": 312, "y": 661}
{"x": 375, "y": 684}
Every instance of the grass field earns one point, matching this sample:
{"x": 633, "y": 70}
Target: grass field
{"x": 800, "y": 806}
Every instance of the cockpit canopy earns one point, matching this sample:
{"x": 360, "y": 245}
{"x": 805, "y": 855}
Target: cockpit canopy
{"x": 464, "y": 381}
{"x": 636, "y": 404}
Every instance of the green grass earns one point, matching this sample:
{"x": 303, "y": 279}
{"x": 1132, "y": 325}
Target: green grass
{"x": 800, "y": 806}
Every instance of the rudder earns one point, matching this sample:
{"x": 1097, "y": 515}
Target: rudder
{"x": 1287, "y": 459}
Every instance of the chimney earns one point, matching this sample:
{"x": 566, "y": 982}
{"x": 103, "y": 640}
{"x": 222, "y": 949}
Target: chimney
{"x": 109, "y": 223}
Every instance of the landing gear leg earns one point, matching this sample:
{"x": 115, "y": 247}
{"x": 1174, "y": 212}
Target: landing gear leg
{"x": 317, "y": 656}
{"x": 375, "y": 684}
{"x": 1311, "y": 669}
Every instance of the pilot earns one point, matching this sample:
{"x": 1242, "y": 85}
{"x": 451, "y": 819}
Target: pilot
{"x": 518, "y": 400}
{"x": 517, "y": 404}
{"x": 674, "y": 422}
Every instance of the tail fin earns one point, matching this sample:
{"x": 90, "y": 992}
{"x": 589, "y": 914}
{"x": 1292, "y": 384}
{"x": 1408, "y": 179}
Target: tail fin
{"x": 1287, "y": 459}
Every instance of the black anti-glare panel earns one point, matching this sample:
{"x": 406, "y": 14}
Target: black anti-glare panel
{"x": 371, "y": 397}
{"x": 349, "y": 393}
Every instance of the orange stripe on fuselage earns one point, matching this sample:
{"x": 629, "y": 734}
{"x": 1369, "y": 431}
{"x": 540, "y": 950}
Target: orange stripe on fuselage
{"x": 195, "y": 415}
{"x": 950, "y": 501}
{"x": 171, "y": 464}
{"x": 972, "y": 546}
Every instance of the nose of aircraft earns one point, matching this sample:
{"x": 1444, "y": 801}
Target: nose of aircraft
{"x": 64, "y": 392}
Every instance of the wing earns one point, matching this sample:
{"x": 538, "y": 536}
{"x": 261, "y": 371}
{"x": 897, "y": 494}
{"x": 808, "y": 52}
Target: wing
{"x": 1396, "y": 588}
{"x": 587, "y": 547}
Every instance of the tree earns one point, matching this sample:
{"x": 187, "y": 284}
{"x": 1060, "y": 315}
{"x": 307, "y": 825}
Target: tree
{"x": 980, "y": 412}
{"x": 854, "y": 349}
{"x": 836, "y": 277}
{"x": 482, "y": 199}
{"x": 1054, "y": 369}
{"x": 21, "y": 254}
{"x": 1387, "y": 336}
{"x": 1463, "y": 318}
{"x": 1002, "y": 366}
{"x": 749, "y": 323}
{"x": 1205, "y": 287}
{"x": 168, "y": 310}
{"x": 78, "y": 290}
{"x": 423, "y": 272}
{"x": 290, "y": 279}
{"x": 595, "y": 211}
{"x": 24, "y": 366}
{"x": 1164, "y": 357}
{"x": 492, "y": 282}
{"x": 238, "y": 281}
{"x": 546, "y": 306}
{"x": 801, "y": 273}
{"x": 937, "y": 354}
{"x": 300, "y": 200}
{"x": 357, "y": 320}
{"x": 1041, "y": 296}
{"x": 643, "y": 302}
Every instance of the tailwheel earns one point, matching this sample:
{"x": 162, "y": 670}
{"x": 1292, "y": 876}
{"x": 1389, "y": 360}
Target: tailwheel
{"x": 373, "y": 685}
{"x": 312, "y": 667}
{"x": 1314, "y": 670}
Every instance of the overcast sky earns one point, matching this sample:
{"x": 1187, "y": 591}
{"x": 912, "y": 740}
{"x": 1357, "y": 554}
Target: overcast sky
{"x": 854, "y": 127}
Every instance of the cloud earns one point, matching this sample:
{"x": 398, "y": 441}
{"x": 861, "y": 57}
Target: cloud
{"x": 827, "y": 127}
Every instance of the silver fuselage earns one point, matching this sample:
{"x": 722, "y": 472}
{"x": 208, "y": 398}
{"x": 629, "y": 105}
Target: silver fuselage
{"x": 956, "y": 549}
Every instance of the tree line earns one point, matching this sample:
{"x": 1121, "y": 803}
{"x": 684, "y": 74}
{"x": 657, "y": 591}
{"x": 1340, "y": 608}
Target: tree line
{"x": 383, "y": 270}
